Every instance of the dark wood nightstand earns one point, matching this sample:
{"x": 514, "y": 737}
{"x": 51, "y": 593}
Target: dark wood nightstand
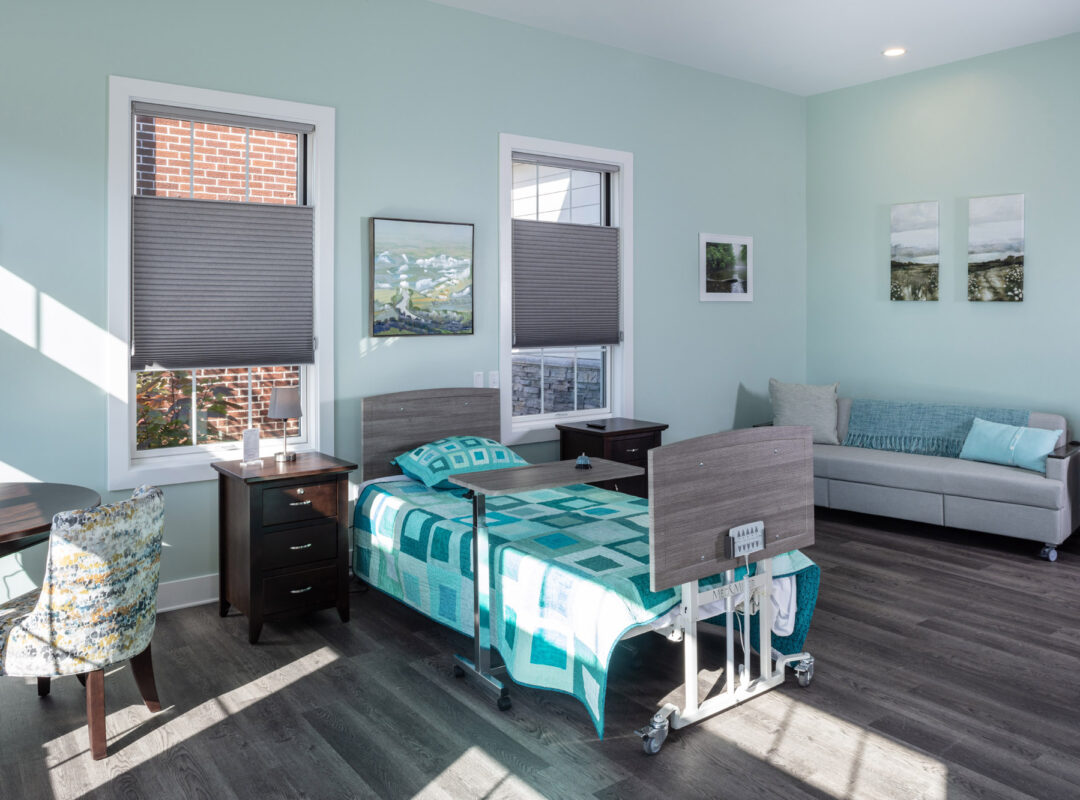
{"x": 621, "y": 439}
{"x": 282, "y": 535}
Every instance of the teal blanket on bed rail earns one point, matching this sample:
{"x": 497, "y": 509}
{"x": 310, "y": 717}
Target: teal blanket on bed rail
{"x": 929, "y": 429}
{"x": 570, "y": 575}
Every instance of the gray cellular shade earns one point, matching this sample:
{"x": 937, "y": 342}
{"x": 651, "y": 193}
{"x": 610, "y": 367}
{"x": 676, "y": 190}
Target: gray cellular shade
{"x": 217, "y": 284}
{"x": 567, "y": 163}
{"x": 220, "y": 118}
{"x": 565, "y": 284}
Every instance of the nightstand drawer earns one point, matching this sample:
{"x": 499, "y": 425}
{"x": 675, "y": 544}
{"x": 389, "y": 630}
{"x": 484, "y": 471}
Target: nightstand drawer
{"x": 296, "y": 590}
{"x": 292, "y": 548}
{"x": 632, "y": 448}
{"x": 299, "y": 503}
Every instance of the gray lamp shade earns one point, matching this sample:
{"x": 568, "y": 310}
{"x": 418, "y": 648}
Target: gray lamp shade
{"x": 284, "y": 403}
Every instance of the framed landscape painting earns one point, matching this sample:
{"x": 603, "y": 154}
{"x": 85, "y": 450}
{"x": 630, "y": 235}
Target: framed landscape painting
{"x": 726, "y": 267}
{"x": 996, "y": 248}
{"x": 421, "y": 278}
{"x": 914, "y": 253}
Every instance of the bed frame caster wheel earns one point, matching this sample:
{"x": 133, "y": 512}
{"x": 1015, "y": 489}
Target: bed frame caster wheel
{"x": 503, "y": 703}
{"x": 804, "y": 672}
{"x": 653, "y": 735}
{"x": 1048, "y": 553}
{"x": 458, "y": 671}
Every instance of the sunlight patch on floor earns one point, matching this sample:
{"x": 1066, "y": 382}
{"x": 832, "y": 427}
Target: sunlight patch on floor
{"x": 72, "y": 773}
{"x": 477, "y": 774}
{"x": 831, "y": 754}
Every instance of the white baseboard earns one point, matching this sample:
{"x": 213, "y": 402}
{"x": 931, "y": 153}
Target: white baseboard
{"x": 187, "y": 592}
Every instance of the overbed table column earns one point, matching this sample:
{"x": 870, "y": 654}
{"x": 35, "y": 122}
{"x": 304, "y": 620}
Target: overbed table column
{"x": 512, "y": 480}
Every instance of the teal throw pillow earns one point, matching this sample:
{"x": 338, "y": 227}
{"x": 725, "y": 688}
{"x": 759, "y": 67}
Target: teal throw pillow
{"x": 1009, "y": 445}
{"x": 434, "y": 462}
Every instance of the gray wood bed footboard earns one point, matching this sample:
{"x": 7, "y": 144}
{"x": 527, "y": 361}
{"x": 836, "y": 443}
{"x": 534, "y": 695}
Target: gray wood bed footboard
{"x": 393, "y": 423}
{"x": 701, "y": 488}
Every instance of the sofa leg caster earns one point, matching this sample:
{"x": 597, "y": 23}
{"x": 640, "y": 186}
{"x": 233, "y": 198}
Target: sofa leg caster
{"x": 1048, "y": 553}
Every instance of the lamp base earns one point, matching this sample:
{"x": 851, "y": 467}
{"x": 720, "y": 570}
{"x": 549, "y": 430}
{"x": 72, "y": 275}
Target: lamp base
{"x": 285, "y": 457}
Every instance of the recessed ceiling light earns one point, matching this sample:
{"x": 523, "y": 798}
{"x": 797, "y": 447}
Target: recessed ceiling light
{"x": 893, "y": 52}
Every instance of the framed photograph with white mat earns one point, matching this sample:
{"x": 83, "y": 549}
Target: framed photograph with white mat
{"x": 726, "y": 265}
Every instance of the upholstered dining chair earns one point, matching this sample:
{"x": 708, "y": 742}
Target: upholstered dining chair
{"x": 97, "y": 605}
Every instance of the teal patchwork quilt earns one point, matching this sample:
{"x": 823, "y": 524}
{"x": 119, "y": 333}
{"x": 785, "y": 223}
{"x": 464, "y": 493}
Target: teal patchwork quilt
{"x": 570, "y": 575}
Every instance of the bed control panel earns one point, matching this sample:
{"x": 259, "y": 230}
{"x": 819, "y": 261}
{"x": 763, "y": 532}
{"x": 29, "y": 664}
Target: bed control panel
{"x": 743, "y": 540}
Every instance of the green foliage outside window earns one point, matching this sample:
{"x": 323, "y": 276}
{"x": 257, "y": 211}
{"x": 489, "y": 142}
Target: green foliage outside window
{"x": 163, "y": 409}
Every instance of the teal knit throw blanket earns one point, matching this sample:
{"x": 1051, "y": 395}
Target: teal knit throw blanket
{"x": 929, "y": 429}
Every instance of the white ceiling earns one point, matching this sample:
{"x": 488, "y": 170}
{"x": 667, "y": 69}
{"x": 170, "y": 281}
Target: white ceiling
{"x": 800, "y": 46}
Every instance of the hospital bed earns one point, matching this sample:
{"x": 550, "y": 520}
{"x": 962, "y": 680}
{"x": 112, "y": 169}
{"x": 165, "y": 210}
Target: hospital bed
{"x": 577, "y": 569}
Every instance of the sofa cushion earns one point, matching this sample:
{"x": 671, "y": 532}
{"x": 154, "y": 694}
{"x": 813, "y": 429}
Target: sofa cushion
{"x": 800, "y": 404}
{"x": 938, "y": 474}
{"x": 1009, "y": 445}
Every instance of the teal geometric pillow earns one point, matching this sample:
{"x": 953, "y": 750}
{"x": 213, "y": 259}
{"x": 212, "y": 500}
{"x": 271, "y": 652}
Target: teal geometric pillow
{"x": 434, "y": 462}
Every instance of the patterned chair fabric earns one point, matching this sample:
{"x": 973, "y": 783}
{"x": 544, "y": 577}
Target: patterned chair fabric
{"x": 98, "y": 603}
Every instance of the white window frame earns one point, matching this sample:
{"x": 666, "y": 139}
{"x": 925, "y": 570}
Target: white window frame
{"x": 128, "y": 467}
{"x": 145, "y": 459}
{"x": 541, "y": 428}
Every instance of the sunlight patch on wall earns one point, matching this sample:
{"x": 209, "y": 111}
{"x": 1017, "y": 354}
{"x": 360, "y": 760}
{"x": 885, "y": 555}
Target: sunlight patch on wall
{"x": 68, "y": 338}
{"x": 74, "y": 342}
{"x": 9, "y": 474}
{"x": 18, "y": 308}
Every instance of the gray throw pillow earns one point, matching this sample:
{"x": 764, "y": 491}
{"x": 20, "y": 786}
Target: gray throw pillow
{"x": 799, "y": 404}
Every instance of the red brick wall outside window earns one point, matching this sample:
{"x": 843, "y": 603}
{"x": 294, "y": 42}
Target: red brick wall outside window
{"x": 204, "y": 161}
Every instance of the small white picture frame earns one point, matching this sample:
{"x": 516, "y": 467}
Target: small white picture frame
{"x": 251, "y": 446}
{"x": 726, "y": 267}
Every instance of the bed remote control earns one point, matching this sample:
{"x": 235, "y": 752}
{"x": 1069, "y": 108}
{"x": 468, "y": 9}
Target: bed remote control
{"x": 598, "y": 425}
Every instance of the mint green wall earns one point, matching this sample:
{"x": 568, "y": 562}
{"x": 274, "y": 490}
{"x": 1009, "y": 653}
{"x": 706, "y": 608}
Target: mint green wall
{"x": 999, "y": 124}
{"x": 422, "y": 92}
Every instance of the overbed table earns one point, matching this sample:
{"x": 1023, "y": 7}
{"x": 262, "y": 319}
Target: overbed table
{"x": 512, "y": 480}
{"x": 27, "y": 509}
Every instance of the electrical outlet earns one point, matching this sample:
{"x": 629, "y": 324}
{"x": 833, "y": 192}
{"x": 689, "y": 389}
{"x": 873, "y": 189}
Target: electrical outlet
{"x": 478, "y": 379}
{"x": 493, "y": 379}
{"x": 743, "y": 540}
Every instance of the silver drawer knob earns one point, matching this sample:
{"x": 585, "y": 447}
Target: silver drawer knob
{"x": 300, "y": 546}
{"x": 301, "y": 503}
{"x": 300, "y": 591}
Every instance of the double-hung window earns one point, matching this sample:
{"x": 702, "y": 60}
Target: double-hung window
{"x": 223, "y": 280}
{"x": 566, "y": 283}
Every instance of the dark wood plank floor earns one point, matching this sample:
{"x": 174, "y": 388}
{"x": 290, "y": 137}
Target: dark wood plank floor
{"x": 946, "y": 668}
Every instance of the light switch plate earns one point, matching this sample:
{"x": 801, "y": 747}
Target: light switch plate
{"x": 493, "y": 379}
{"x": 478, "y": 379}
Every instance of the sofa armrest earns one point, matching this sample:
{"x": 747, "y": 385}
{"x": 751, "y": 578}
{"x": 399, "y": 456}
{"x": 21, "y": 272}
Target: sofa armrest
{"x": 1058, "y": 461}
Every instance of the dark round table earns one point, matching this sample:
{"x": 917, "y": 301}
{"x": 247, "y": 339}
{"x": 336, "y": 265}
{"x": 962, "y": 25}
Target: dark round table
{"x": 27, "y": 509}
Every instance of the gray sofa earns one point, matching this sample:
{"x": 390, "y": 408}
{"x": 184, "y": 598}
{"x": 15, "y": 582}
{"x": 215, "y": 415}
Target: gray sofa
{"x": 954, "y": 492}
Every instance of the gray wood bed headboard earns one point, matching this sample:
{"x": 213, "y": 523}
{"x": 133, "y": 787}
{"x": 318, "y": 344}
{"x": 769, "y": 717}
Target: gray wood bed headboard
{"x": 701, "y": 488}
{"x": 393, "y": 423}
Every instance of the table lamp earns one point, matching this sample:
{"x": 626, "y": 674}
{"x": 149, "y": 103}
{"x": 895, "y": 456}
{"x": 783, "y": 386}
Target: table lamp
{"x": 284, "y": 405}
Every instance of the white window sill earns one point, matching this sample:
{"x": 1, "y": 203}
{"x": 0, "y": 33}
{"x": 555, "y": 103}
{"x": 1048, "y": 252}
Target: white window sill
{"x": 544, "y": 430}
{"x": 188, "y": 468}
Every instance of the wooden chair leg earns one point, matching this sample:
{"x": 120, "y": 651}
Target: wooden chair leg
{"x": 95, "y": 712}
{"x": 43, "y": 686}
{"x": 142, "y": 667}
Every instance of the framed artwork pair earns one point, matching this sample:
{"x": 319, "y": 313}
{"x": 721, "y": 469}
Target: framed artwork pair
{"x": 995, "y": 250}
